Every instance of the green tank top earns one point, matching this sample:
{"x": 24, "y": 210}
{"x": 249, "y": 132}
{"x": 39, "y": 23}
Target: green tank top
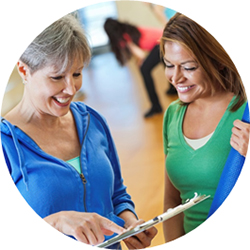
{"x": 198, "y": 170}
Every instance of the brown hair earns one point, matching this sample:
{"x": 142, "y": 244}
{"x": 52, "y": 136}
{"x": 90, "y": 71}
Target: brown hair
{"x": 210, "y": 55}
{"x": 115, "y": 31}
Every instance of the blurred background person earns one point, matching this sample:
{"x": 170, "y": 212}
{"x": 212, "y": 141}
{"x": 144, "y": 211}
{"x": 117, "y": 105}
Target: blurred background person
{"x": 127, "y": 40}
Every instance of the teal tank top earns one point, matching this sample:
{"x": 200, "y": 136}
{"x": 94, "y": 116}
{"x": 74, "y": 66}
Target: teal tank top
{"x": 75, "y": 162}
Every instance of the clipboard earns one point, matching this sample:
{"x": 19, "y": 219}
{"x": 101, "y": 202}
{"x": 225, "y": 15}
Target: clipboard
{"x": 171, "y": 212}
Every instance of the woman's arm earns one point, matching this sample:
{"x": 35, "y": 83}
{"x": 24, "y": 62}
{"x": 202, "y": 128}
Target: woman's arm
{"x": 240, "y": 137}
{"x": 137, "y": 52}
{"x": 172, "y": 228}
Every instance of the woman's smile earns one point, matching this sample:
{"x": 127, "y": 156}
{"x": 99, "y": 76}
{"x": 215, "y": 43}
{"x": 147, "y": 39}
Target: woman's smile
{"x": 184, "y": 89}
{"x": 62, "y": 101}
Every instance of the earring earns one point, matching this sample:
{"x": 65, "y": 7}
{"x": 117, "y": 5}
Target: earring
{"x": 24, "y": 82}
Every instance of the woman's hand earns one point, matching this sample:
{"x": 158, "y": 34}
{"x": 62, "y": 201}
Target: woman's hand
{"x": 141, "y": 240}
{"x": 88, "y": 228}
{"x": 240, "y": 137}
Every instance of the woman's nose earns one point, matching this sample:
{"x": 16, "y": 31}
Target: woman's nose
{"x": 176, "y": 76}
{"x": 70, "y": 86}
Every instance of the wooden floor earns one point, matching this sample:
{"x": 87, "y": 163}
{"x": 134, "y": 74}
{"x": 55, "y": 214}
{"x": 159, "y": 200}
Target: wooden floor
{"x": 118, "y": 94}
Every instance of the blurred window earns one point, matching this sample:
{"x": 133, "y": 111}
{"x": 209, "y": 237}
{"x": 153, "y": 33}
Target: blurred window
{"x": 93, "y": 18}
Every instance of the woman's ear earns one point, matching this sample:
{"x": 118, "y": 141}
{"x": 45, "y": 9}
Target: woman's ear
{"x": 22, "y": 70}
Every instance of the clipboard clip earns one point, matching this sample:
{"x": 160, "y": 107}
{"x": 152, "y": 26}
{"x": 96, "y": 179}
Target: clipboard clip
{"x": 197, "y": 198}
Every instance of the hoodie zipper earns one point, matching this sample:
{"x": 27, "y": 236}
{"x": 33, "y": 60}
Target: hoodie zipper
{"x": 84, "y": 181}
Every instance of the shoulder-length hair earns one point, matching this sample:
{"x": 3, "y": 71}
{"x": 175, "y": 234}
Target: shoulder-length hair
{"x": 117, "y": 32}
{"x": 210, "y": 55}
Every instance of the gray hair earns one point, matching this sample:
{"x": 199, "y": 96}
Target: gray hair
{"x": 59, "y": 45}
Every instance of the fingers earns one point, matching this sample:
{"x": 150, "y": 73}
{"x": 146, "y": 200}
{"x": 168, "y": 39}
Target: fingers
{"x": 85, "y": 235}
{"x": 80, "y": 236}
{"x": 241, "y": 128}
{"x": 88, "y": 228}
{"x": 240, "y": 124}
{"x": 240, "y": 136}
{"x": 146, "y": 237}
{"x": 151, "y": 232}
{"x": 98, "y": 226}
{"x": 110, "y": 227}
{"x": 133, "y": 243}
{"x": 141, "y": 240}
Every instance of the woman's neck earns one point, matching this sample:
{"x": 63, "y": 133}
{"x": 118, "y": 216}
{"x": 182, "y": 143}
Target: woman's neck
{"x": 217, "y": 100}
{"x": 25, "y": 113}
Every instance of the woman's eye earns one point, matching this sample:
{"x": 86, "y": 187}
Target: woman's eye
{"x": 191, "y": 68}
{"x": 169, "y": 66}
{"x": 56, "y": 77}
{"x": 76, "y": 74}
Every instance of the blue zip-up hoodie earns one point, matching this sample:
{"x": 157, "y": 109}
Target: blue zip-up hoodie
{"x": 50, "y": 185}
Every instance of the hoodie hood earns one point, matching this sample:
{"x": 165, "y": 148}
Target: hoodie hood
{"x": 9, "y": 129}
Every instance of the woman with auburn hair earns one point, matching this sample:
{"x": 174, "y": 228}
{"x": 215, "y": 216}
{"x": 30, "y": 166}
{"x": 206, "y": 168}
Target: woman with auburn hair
{"x": 199, "y": 128}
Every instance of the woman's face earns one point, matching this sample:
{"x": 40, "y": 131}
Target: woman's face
{"x": 51, "y": 93}
{"x": 184, "y": 72}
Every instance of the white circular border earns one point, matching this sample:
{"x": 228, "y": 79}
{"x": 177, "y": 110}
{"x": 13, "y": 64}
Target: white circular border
{"x": 22, "y": 21}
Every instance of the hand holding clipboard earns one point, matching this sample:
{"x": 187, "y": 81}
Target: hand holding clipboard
{"x": 165, "y": 216}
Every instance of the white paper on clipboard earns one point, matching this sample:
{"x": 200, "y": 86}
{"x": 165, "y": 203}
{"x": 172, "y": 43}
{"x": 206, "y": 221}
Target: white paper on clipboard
{"x": 165, "y": 216}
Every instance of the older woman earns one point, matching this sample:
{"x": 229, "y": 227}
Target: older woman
{"x": 201, "y": 125}
{"x": 60, "y": 154}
